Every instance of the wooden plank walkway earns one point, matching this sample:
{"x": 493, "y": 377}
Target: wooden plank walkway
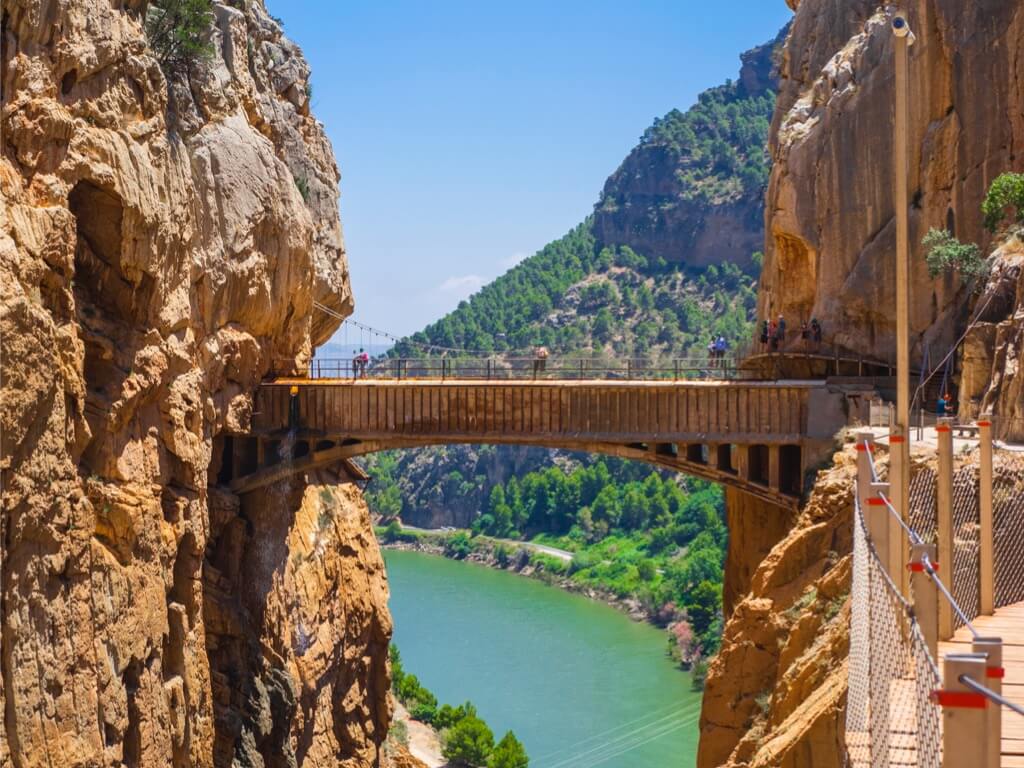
{"x": 1007, "y": 623}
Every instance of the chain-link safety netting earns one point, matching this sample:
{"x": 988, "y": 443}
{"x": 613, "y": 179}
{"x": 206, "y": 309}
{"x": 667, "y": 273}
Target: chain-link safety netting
{"x": 890, "y": 717}
{"x": 1008, "y": 525}
{"x": 966, "y": 588}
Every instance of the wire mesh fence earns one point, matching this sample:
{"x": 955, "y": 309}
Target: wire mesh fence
{"x": 966, "y": 541}
{"x": 1008, "y": 525}
{"x": 890, "y": 717}
{"x": 923, "y": 514}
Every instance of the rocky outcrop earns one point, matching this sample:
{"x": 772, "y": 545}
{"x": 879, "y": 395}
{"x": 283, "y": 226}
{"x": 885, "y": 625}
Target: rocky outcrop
{"x": 653, "y": 203}
{"x": 776, "y": 692}
{"x": 991, "y": 378}
{"x": 830, "y": 214}
{"x": 162, "y": 242}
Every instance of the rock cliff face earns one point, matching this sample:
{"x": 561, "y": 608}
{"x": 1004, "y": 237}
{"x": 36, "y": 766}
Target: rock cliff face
{"x": 776, "y": 692}
{"x": 991, "y": 378}
{"x": 829, "y": 213}
{"x": 161, "y": 247}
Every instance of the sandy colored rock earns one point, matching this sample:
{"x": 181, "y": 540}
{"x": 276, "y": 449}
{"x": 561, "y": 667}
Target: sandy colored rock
{"x": 829, "y": 211}
{"x": 772, "y": 696}
{"x": 161, "y": 247}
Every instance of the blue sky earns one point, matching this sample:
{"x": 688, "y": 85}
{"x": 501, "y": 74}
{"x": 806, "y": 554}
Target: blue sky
{"x": 470, "y": 134}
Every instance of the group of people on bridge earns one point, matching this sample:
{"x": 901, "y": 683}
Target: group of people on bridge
{"x": 773, "y": 333}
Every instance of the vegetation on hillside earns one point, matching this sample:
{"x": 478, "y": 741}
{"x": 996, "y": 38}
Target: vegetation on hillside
{"x": 579, "y": 300}
{"x": 718, "y": 148}
{"x": 465, "y": 738}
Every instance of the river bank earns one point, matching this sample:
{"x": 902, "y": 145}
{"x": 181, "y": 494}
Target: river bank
{"x": 564, "y": 673}
{"x": 522, "y": 558}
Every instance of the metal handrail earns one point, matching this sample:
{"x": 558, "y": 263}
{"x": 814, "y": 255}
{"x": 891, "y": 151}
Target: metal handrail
{"x": 916, "y": 538}
{"x": 526, "y": 368}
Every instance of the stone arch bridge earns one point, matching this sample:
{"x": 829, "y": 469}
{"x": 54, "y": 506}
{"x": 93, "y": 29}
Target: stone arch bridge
{"x": 758, "y": 436}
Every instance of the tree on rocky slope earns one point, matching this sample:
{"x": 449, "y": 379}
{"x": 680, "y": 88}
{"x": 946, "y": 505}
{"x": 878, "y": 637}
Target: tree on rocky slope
{"x": 509, "y": 753}
{"x": 179, "y": 32}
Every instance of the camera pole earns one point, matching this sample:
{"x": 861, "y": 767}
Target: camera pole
{"x": 899, "y": 449}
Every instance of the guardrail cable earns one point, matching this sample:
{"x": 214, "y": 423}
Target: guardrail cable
{"x": 988, "y": 693}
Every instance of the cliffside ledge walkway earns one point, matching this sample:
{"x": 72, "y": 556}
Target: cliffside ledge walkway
{"x": 936, "y": 663}
{"x": 757, "y": 436}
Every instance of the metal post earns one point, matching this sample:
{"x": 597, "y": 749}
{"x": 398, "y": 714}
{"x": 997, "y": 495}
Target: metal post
{"x": 926, "y": 595}
{"x": 992, "y": 647}
{"x": 899, "y": 545}
{"x": 944, "y": 515}
{"x": 675, "y": 370}
{"x": 987, "y": 570}
{"x": 488, "y": 369}
{"x": 629, "y": 369}
{"x": 900, "y": 469}
{"x": 964, "y": 733}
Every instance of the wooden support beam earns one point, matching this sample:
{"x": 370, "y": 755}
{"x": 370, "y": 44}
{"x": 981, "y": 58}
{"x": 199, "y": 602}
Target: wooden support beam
{"x": 944, "y": 521}
{"x": 987, "y": 552}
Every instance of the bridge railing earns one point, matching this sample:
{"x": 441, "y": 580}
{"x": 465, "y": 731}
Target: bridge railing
{"x": 503, "y": 368}
{"x": 968, "y": 518}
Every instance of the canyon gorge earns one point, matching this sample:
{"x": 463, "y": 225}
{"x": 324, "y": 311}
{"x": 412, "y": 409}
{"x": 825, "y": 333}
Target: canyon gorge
{"x": 165, "y": 235}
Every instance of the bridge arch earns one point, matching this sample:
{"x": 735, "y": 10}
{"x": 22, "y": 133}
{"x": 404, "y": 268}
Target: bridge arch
{"x": 757, "y": 437}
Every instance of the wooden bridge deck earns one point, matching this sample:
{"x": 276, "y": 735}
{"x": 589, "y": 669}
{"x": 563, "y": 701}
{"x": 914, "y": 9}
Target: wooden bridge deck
{"x": 1008, "y": 624}
{"x": 758, "y": 436}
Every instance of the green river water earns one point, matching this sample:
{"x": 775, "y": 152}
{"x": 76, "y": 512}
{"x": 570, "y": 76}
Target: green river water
{"x": 580, "y": 683}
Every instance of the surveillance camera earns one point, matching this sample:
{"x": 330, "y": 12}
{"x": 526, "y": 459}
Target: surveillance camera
{"x": 900, "y": 27}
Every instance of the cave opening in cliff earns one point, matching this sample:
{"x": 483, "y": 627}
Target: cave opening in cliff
{"x": 110, "y": 308}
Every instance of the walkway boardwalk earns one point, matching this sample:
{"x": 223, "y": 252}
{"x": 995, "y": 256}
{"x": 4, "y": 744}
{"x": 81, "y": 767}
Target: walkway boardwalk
{"x": 1007, "y": 623}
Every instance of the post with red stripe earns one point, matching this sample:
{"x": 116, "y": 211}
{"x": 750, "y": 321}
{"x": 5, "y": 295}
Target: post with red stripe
{"x": 926, "y": 594}
{"x": 865, "y": 448}
{"x": 944, "y": 514}
{"x": 964, "y": 732}
{"x": 899, "y": 544}
{"x": 987, "y": 566}
{"x": 992, "y": 647}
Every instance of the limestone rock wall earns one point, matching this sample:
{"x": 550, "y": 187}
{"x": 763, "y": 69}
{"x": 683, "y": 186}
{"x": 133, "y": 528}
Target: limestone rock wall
{"x": 991, "y": 379}
{"x": 829, "y": 213}
{"x": 776, "y": 692}
{"x": 161, "y": 247}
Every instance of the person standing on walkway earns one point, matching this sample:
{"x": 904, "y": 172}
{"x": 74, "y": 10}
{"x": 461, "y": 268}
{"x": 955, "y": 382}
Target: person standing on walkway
{"x": 773, "y": 336}
{"x": 540, "y": 361}
{"x": 816, "y": 330}
{"x": 781, "y": 330}
{"x": 764, "y": 334}
{"x": 940, "y": 406}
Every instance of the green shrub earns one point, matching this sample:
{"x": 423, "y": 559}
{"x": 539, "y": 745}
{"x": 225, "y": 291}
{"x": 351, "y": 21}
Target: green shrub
{"x": 1006, "y": 194}
{"x": 509, "y": 753}
{"x": 947, "y": 254}
{"x": 423, "y": 711}
{"x": 469, "y": 742}
{"x": 302, "y": 183}
{"x": 179, "y": 32}
{"x": 458, "y": 545}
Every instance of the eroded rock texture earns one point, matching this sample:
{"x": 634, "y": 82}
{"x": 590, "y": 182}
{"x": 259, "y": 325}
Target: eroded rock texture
{"x": 829, "y": 212}
{"x": 991, "y": 379}
{"x": 161, "y": 247}
{"x": 776, "y": 693}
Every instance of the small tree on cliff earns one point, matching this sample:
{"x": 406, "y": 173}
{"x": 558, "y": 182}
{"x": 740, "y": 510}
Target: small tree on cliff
{"x": 469, "y": 743}
{"x": 1006, "y": 195}
{"x": 179, "y": 32}
{"x": 509, "y": 753}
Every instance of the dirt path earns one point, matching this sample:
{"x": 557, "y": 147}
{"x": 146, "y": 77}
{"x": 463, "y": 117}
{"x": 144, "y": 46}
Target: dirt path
{"x": 423, "y": 742}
